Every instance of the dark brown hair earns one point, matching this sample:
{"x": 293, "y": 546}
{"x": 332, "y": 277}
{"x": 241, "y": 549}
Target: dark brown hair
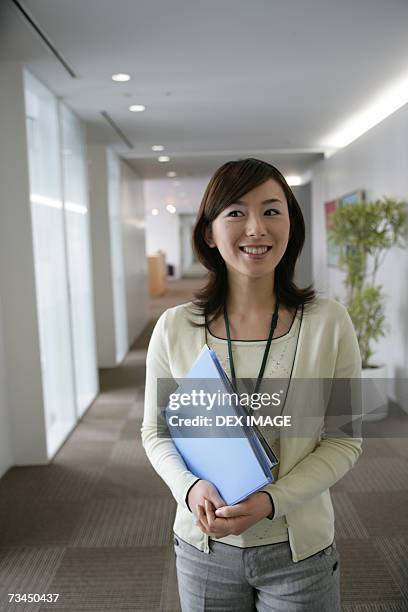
{"x": 229, "y": 183}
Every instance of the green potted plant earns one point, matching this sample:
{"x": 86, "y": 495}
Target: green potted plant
{"x": 365, "y": 232}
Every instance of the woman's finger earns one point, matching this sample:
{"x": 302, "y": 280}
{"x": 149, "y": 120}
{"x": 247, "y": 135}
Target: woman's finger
{"x": 201, "y": 516}
{"x": 207, "y": 524}
{"x": 202, "y": 526}
{"x": 230, "y": 511}
{"x": 209, "y": 512}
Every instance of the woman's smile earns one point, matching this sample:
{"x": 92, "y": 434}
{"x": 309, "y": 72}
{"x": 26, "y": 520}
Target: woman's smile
{"x": 255, "y": 252}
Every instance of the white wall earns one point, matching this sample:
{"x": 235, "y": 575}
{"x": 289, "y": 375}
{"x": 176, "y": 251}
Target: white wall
{"x": 134, "y": 251}
{"x": 304, "y": 266}
{"x": 163, "y": 230}
{"x": 118, "y": 254}
{"x": 101, "y": 255}
{"x": 187, "y": 223}
{"x": 376, "y": 162}
{"x": 6, "y": 455}
{"x": 38, "y": 305}
{"x": 78, "y": 255}
{"x": 50, "y": 260}
{"x": 17, "y": 280}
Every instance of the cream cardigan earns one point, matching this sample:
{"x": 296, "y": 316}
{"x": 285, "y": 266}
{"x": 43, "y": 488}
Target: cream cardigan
{"x": 309, "y": 466}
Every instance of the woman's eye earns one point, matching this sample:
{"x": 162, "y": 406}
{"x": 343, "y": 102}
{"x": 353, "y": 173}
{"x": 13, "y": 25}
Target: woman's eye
{"x": 234, "y": 213}
{"x": 270, "y": 212}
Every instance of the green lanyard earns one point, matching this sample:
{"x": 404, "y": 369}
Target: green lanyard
{"x": 274, "y": 323}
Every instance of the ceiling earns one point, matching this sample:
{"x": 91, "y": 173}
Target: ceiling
{"x": 220, "y": 79}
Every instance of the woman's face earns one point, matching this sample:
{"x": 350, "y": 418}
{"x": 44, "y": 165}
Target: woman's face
{"x": 252, "y": 234}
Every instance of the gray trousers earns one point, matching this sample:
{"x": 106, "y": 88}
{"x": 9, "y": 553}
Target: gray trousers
{"x": 262, "y": 578}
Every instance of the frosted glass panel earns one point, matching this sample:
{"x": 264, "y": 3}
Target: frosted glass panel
{"x": 118, "y": 270}
{"x": 79, "y": 259}
{"x": 50, "y": 261}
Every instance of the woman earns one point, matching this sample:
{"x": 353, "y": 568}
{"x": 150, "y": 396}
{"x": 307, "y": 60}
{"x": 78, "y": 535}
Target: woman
{"x": 276, "y": 549}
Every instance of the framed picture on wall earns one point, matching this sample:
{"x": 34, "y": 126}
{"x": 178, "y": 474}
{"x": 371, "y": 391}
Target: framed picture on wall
{"x": 330, "y": 207}
{"x": 352, "y": 198}
{"x": 332, "y": 248}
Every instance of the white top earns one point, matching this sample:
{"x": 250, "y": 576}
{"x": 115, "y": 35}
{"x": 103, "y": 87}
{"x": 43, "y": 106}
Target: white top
{"x": 309, "y": 465}
{"x": 247, "y": 355}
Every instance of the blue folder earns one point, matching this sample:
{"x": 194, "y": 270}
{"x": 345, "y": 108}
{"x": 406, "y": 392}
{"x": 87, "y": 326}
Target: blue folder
{"x": 238, "y": 463}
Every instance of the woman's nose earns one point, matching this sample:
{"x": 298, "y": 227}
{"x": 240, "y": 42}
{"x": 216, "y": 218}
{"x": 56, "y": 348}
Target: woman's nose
{"x": 255, "y": 226}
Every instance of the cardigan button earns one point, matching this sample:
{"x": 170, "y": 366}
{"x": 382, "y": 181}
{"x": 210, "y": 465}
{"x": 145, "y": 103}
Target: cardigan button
{"x": 176, "y": 542}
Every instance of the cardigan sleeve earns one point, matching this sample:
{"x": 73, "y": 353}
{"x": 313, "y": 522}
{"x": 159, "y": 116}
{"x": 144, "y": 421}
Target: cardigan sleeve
{"x": 160, "y": 450}
{"x": 333, "y": 456}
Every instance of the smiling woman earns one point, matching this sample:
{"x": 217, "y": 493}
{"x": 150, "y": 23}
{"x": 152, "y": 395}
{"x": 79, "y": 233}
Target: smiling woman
{"x": 249, "y": 233}
{"x": 253, "y": 225}
{"x": 249, "y": 224}
{"x": 275, "y": 550}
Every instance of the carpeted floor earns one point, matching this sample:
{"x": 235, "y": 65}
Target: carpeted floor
{"x": 95, "y": 525}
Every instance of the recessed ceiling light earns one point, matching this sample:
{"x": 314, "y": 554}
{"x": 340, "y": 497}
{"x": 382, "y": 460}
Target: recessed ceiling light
{"x": 171, "y": 174}
{"x": 157, "y": 148}
{"x": 155, "y": 212}
{"x": 121, "y": 77}
{"x": 170, "y": 208}
{"x": 137, "y": 108}
{"x": 293, "y": 180}
{"x": 163, "y": 158}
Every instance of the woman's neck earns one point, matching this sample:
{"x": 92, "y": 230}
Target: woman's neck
{"x": 248, "y": 295}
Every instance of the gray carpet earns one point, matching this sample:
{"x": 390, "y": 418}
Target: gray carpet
{"x": 95, "y": 525}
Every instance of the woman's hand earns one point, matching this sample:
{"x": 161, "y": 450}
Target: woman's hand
{"x": 202, "y": 490}
{"x": 227, "y": 520}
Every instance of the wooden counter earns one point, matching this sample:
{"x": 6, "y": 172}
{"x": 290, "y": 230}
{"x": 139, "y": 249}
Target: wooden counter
{"x": 157, "y": 275}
